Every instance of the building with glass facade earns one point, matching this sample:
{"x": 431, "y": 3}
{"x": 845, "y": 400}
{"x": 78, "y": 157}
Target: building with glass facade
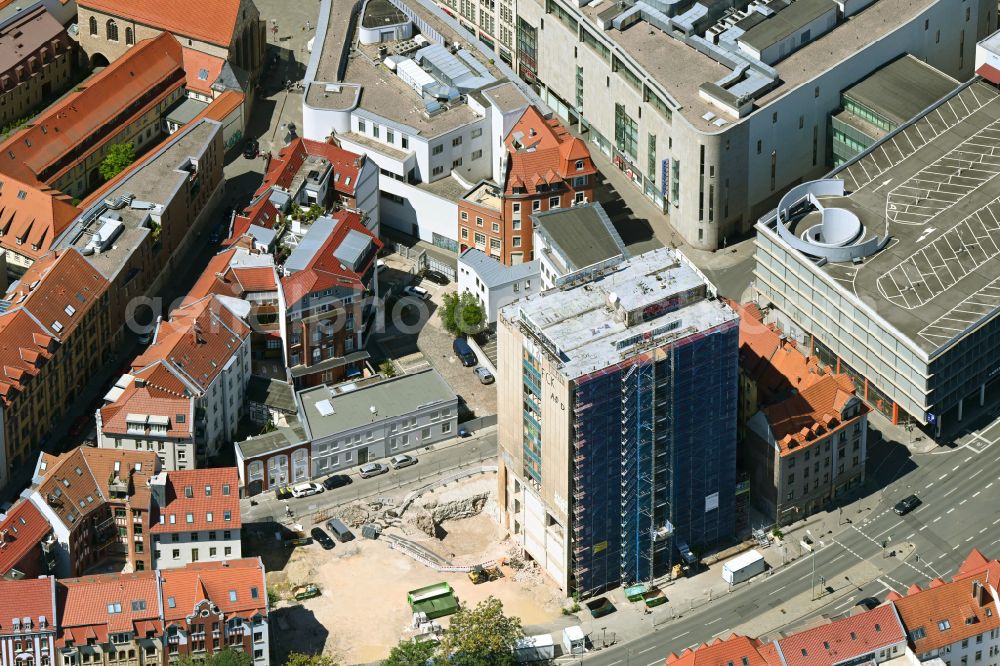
{"x": 617, "y": 422}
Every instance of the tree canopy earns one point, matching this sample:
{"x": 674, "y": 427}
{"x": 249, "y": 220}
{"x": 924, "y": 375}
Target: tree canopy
{"x": 461, "y": 314}
{"x": 119, "y": 156}
{"x": 408, "y": 653}
{"x": 300, "y": 659}
{"x": 227, "y": 657}
{"x": 481, "y": 636}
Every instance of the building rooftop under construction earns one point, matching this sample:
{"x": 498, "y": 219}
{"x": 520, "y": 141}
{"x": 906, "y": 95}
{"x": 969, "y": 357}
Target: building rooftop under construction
{"x": 603, "y": 319}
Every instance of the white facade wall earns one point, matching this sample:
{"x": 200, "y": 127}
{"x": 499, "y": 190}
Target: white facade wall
{"x": 170, "y": 554}
{"x": 366, "y": 193}
{"x": 29, "y": 646}
{"x": 224, "y": 398}
{"x": 526, "y": 513}
{"x": 174, "y": 454}
{"x": 498, "y": 296}
{"x": 417, "y": 211}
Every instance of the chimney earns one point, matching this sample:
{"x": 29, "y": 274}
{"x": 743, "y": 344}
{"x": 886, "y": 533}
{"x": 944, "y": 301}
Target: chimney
{"x": 979, "y": 593}
{"x": 139, "y": 382}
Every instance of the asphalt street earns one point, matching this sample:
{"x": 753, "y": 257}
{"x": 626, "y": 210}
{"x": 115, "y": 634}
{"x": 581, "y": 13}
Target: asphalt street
{"x": 960, "y": 491}
{"x": 478, "y": 448}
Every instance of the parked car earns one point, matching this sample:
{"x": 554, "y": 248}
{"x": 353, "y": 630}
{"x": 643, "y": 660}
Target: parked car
{"x": 416, "y": 292}
{"x": 868, "y": 603}
{"x": 906, "y": 505}
{"x": 251, "y": 149}
{"x": 485, "y": 376}
{"x": 372, "y": 469}
{"x": 464, "y": 352}
{"x": 379, "y": 265}
{"x": 303, "y": 592}
{"x": 436, "y": 277}
{"x": 322, "y": 538}
{"x": 306, "y": 489}
{"x": 401, "y": 461}
{"x": 336, "y": 481}
{"x": 283, "y": 492}
{"x": 463, "y": 431}
{"x": 340, "y": 530}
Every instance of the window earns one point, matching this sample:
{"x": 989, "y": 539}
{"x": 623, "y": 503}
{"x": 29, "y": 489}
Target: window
{"x": 405, "y": 142}
{"x": 437, "y": 150}
{"x": 465, "y": 216}
{"x": 445, "y": 427}
{"x": 515, "y": 225}
{"x": 390, "y": 136}
{"x": 129, "y": 36}
{"x": 437, "y": 171}
{"x": 93, "y": 26}
{"x": 476, "y": 154}
{"x": 516, "y": 241}
{"x": 944, "y": 625}
{"x": 362, "y": 127}
{"x": 496, "y": 227}
{"x": 456, "y": 163}
{"x": 457, "y": 141}
{"x": 480, "y": 239}
{"x": 579, "y": 165}
{"x": 375, "y": 130}
{"x": 476, "y": 133}
{"x": 553, "y": 202}
{"x": 465, "y": 233}
{"x": 536, "y": 205}
{"x": 176, "y": 554}
{"x": 111, "y": 30}
{"x": 479, "y": 221}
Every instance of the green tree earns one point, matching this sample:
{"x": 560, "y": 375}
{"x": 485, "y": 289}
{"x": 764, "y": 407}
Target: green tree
{"x": 408, "y": 653}
{"x": 300, "y": 659}
{"x": 387, "y": 368}
{"x": 462, "y": 314}
{"x": 226, "y": 657}
{"x": 119, "y": 156}
{"x": 481, "y": 636}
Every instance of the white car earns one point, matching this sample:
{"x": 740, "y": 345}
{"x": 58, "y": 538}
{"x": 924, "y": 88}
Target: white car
{"x": 306, "y": 489}
{"x": 416, "y": 292}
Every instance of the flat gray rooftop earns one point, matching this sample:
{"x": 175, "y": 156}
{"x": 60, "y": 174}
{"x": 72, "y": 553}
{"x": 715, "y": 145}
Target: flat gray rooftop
{"x": 276, "y": 440}
{"x": 391, "y": 399}
{"x": 901, "y": 89}
{"x": 583, "y": 326}
{"x": 680, "y": 69}
{"x": 933, "y": 189}
{"x": 157, "y": 181}
{"x": 583, "y": 235}
{"x": 785, "y": 23}
{"x": 492, "y": 272}
{"x": 381, "y": 12}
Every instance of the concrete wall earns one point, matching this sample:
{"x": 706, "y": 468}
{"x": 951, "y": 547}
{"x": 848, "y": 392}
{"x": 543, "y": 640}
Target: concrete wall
{"x": 417, "y": 211}
{"x": 497, "y": 297}
{"x": 163, "y": 549}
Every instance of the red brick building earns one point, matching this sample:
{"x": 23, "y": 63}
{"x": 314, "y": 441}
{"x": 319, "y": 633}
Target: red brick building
{"x": 545, "y": 167}
{"x": 27, "y": 622}
{"x": 24, "y": 543}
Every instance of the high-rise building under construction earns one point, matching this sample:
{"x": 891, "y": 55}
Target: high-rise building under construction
{"x": 617, "y": 402}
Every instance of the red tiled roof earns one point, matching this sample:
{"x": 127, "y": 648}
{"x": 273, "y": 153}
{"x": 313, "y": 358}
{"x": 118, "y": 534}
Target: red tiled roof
{"x": 66, "y": 286}
{"x": 87, "y": 604}
{"x": 36, "y": 154}
{"x": 22, "y": 530}
{"x": 217, "y": 582}
{"x": 24, "y": 346}
{"x": 326, "y": 271}
{"x": 217, "y": 266}
{"x": 546, "y": 153}
{"x": 220, "y": 107}
{"x": 214, "y": 22}
{"x": 77, "y": 482}
{"x": 733, "y": 650}
{"x": 254, "y": 279}
{"x": 844, "y": 639}
{"x": 30, "y": 217}
{"x": 32, "y": 598}
{"x": 196, "y": 342}
{"x": 283, "y": 167}
{"x": 150, "y": 401}
{"x": 946, "y": 614}
{"x": 989, "y": 72}
{"x": 201, "y": 69}
{"x": 812, "y": 413}
{"x": 201, "y": 503}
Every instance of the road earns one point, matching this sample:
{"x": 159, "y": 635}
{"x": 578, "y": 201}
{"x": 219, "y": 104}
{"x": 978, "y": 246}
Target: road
{"x": 960, "y": 490}
{"x": 434, "y": 463}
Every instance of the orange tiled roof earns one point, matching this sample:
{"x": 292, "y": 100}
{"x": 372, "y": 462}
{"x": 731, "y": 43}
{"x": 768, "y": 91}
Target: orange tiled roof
{"x": 214, "y": 22}
{"x": 196, "y": 342}
{"x": 733, "y": 650}
{"x": 23, "y": 529}
{"x": 326, "y": 271}
{"x": 39, "y": 152}
{"x": 30, "y": 217}
{"x": 201, "y": 69}
{"x": 281, "y": 168}
{"x": 32, "y": 598}
{"x": 151, "y": 401}
{"x": 208, "y": 500}
{"x": 24, "y": 347}
{"x": 263, "y": 213}
{"x": 544, "y": 153}
{"x": 254, "y": 279}
{"x": 218, "y": 582}
{"x": 77, "y": 482}
{"x": 844, "y": 639}
{"x": 107, "y": 603}
{"x": 58, "y": 290}
{"x": 812, "y": 413}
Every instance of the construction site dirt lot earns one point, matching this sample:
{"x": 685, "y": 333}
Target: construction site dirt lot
{"x": 363, "y": 606}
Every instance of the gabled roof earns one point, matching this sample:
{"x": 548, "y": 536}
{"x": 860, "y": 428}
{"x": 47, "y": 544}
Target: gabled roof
{"x": 736, "y": 650}
{"x": 31, "y": 217}
{"x": 207, "y": 505}
{"x": 58, "y": 290}
{"x": 315, "y": 261}
{"x": 237, "y": 587}
{"x": 108, "y": 603}
{"x": 201, "y": 69}
{"x": 541, "y": 151}
{"x": 24, "y": 347}
{"x": 945, "y": 614}
{"x": 196, "y": 342}
{"x": 149, "y": 400}
{"x": 23, "y": 529}
{"x": 284, "y": 166}
{"x": 844, "y": 639}
{"x": 812, "y": 413}
{"x": 36, "y": 154}
{"x": 32, "y": 598}
{"x": 214, "y": 22}
{"x": 76, "y": 483}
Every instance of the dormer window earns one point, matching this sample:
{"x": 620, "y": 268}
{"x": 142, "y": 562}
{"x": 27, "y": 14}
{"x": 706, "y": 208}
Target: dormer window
{"x": 579, "y": 165}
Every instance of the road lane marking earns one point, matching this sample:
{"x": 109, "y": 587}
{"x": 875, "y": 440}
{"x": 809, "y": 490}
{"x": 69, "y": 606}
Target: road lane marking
{"x": 922, "y": 528}
{"x": 976, "y": 494}
{"x": 963, "y": 501}
{"x": 891, "y": 527}
{"x": 989, "y": 485}
{"x": 955, "y": 468}
{"x": 950, "y": 492}
{"x": 680, "y": 635}
{"x": 651, "y": 647}
{"x": 836, "y": 558}
{"x": 776, "y": 591}
{"x": 972, "y": 476}
{"x": 950, "y": 510}
{"x": 943, "y": 477}
{"x": 982, "y": 530}
{"x": 718, "y": 619}
{"x": 911, "y": 535}
{"x": 968, "y": 458}
{"x": 936, "y": 519}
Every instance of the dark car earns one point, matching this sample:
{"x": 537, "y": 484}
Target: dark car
{"x": 906, "y": 505}
{"x": 336, "y": 481}
{"x": 251, "y": 149}
{"x": 868, "y": 603}
{"x": 322, "y": 538}
{"x": 464, "y": 352}
{"x": 436, "y": 277}
{"x": 283, "y": 492}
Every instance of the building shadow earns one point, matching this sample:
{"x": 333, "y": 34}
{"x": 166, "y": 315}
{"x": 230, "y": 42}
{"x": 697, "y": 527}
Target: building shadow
{"x": 297, "y": 630}
{"x": 267, "y": 539}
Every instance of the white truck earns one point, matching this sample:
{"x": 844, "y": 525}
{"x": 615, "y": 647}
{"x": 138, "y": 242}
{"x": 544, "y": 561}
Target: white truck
{"x": 743, "y": 567}
{"x": 574, "y": 640}
{"x": 535, "y": 648}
